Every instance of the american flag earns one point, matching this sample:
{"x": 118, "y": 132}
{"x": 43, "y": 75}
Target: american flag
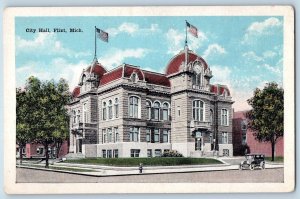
{"x": 192, "y": 29}
{"x": 102, "y": 35}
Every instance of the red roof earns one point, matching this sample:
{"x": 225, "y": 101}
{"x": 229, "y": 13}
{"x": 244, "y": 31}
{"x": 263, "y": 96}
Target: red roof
{"x": 97, "y": 69}
{"x": 128, "y": 70}
{"x": 155, "y": 78}
{"x": 179, "y": 59}
{"x": 219, "y": 89}
{"x": 111, "y": 76}
{"x": 76, "y": 92}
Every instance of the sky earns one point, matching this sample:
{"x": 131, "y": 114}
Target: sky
{"x": 243, "y": 52}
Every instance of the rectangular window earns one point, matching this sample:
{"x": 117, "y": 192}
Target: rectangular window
{"x": 110, "y": 114}
{"x": 135, "y": 153}
{"x": 156, "y": 135}
{"x": 116, "y": 110}
{"x": 134, "y": 134}
{"x": 116, "y": 134}
{"x": 148, "y": 135}
{"x": 165, "y": 136}
{"x": 85, "y": 115}
{"x": 165, "y": 114}
{"x": 103, "y": 135}
{"x": 109, "y": 153}
{"x": 40, "y": 151}
{"x": 109, "y": 137}
{"x": 157, "y": 153}
{"x": 133, "y": 106}
{"x": 224, "y": 138}
{"x": 116, "y": 153}
{"x": 224, "y": 117}
{"x": 103, "y": 153}
{"x": 149, "y": 153}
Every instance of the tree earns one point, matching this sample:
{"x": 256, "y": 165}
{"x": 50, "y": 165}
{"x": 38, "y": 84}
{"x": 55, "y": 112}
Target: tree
{"x": 266, "y": 116}
{"x": 47, "y": 118}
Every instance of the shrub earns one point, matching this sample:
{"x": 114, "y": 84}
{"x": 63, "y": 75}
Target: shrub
{"x": 172, "y": 153}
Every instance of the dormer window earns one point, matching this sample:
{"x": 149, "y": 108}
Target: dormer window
{"x": 134, "y": 77}
{"x": 197, "y": 78}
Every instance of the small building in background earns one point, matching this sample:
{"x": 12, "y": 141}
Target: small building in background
{"x": 244, "y": 141}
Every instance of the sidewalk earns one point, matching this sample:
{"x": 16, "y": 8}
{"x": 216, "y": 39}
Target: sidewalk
{"x": 101, "y": 171}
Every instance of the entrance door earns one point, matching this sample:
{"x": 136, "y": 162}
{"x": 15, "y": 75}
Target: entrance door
{"x": 79, "y": 146}
{"x": 198, "y": 144}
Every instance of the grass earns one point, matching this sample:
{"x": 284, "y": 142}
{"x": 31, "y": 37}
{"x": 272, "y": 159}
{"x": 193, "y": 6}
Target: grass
{"x": 62, "y": 168}
{"x": 276, "y": 159}
{"x": 133, "y": 162}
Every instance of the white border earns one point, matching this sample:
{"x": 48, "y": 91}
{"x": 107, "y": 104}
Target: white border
{"x": 52, "y": 188}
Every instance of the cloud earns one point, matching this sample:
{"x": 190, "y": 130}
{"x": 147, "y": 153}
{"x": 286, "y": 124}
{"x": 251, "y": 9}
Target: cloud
{"x": 46, "y": 44}
{"x": 266, "y": 27}
{"x": 213, "y": 49}
{"x": 132, "y": 29}
{"x": 175, "y": 41}
{"x": 116, "y": 57}
{"x": 251, "y": 55}
{"x": 269, "y": 54}
{"x": 56, "y": 69}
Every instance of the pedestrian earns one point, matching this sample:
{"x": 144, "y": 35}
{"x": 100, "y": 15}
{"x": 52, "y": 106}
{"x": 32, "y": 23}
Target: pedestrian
{"x": 141, "y": 168}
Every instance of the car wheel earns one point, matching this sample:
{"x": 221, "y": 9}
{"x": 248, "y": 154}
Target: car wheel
{"x": 251, "y": 167}
{"x": 263, "y": 166}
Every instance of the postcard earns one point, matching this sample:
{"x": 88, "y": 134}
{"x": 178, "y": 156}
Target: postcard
{"x": 165, "y": 99}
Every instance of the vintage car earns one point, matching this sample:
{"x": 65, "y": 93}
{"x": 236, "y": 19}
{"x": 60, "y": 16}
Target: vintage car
{"x": 253, "y": 161}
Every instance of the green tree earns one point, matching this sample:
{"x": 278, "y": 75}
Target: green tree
{"x": 266, "y": 116}
{"x": 47, "y": 118}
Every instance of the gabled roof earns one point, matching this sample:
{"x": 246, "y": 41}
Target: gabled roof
{"x": 98, "y": 69}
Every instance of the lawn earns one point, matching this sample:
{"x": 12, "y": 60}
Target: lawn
{"x": 276, "y": 159}
{"x": 133, "y": 162}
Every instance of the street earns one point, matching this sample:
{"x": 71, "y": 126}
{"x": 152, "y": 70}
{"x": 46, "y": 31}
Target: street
{"x": 235, "y": 176}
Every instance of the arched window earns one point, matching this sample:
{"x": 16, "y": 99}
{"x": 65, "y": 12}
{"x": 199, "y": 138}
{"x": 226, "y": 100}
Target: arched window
{"x": 166, "y": 111}
{"x": 134, "y": 106}
{"x": 104, "y": 111}
{"x": 148, "y": 107}
{"x": 198, "y": 110}
{"x": 74, "y": 116}
{"x": 211, "y": 117}
{"x": 116, "y": 108}
{"x": 78, "y": 116}
{"x": 110, "y": 114}
{"x": 134, "y": 77}
{"x": 85, "y": 116}
{"x": 197, "y": 79}
{"x": 156, "y": 108}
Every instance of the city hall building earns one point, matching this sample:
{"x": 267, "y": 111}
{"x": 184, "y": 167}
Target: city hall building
{"x": 131, "y": 112}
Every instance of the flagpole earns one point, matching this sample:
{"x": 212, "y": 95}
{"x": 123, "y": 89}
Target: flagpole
{"x": 95, "y": 55}
{"x": 185, "y": 33}
{"x": 186, "y": 46}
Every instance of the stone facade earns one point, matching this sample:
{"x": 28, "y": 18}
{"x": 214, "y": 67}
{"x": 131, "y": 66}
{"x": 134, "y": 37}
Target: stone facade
{"x": 130, "y": 112}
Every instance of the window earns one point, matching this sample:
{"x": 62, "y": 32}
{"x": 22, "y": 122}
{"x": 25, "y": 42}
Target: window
{"x": 116, "y": 153}
{"x": 165, "y": 136}
{"x": 23, "y": 150}
{"x": 211, "y": 117}
{"x": 156, "y": 135}
{"x": 198, "y": 110}
{"x": 135, "y": 153}
{"x": 116, "y": 108}
{"x": 109, "y": 153}
{"x": 109, "y": 137}
{"x": 74, "y": 116}
{"x": 244, "y": 138}
{"x": 224, "y": 138}
{"x": 156, "y": 108}
{"x": 134, "y": 77}
{"x": 157, "y": 153}
{"x": 85, "y": 119}
{"x": 103, "y": 153}
{"x": 165, "y": 111}
{"x": 244, "y": 132}
{"x": 148, "y": 135}
{"x": 116, "y": 134}
{"x": 178, "y": 111}
{"x": 148, "y": 107}
{"x": 211, "y": 138}
{"x": 103, "y": 135}
{"x": 224, "y": 117}
{"x": 244, "y": 125}
{"x": 104, "y": 111}
{"x": 40, "y": 150}
{"x": 110, "y": 113}
{"x": 134, "y": 134}
{"x": 149, "y": 153}
{"x": 133, "y": 107}
{"x": 78, "y": 116}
